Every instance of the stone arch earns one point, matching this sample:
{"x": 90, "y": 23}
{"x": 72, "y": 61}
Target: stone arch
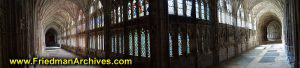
{"x": 262, "y": 26}
{"x": 57, "y": 29}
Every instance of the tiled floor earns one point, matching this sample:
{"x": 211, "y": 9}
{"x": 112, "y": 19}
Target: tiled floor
{"x": 264, "y": 56}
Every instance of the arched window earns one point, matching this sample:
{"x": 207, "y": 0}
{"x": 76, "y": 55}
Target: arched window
{"x": 202, "y": 9}
{"x": 139, "y": 42}
{"x": 184, "y": 8}
{"x": 117, "y": 12}
{"x": 188, "y": 51}
{"x": 181, "y": 41}
{"x": 95, "y": 40}
{"x": 250, "y": 21}
{"x": 240, "y": 17}
{"x": 225, "y": 12}
{"x": 188, "y": 8}
{"x": 207, "y": 10}
{"x": 129, "y": 10}
{"x": 179, "y": 44}
{"x": 136, "y": 48}
{"x": 130, "y": 43}
{"x": 143, "y": 43}
{"x": 180, "y": 7}
{"x": 220, "y": 11}
{"x": 197, "y": 9}
{"x": 171, "y": 7}
{"x": 137, "y": 8}
{"x": 170, "y": 45}
{"x": 141, "y": 8}
{"x": 229, "y": 12}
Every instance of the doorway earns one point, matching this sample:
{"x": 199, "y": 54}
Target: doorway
{"x": 51, "y": 38}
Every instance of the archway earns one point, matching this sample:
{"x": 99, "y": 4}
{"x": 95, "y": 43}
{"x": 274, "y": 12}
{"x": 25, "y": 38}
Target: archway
{"x": 274, "y": 31}
{"x": 51, "y": 38}
{"x": 269, "y": 29}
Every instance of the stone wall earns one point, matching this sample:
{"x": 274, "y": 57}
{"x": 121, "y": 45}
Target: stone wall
{"x": 234, "y": 41}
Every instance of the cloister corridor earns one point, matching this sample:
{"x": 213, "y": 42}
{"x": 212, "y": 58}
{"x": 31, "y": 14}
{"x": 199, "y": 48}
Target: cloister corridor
{"x": 149, "y": 34}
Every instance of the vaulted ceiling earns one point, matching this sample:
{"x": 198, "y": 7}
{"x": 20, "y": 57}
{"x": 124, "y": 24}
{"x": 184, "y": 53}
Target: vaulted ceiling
{"x": 265, "y": 11}
{"x": 62, "y": 12}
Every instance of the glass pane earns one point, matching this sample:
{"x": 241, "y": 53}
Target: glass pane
{"x": 147, "y": 7}
{"x": 135, "y": 9}
{"x": 130, "y": 44}
{"x": 179, "y": 44}
{"x": 112, "y": 44}
{"x": 120, "y": 43}
{"x": 141, "y": 7}
{"x": 197, "y": 9}
{"x": 207, "y": 12}
{"x": 103, "y": 42}
{"x": 129, "y": 10}
{"x": 119, "y": 14}
{"x": 136, "y": 52}
{"x": 116, "y": 43}
{"x": 148, "y": 43}
{"x": 99, "y": 42}
{"x": 180, "y": 7}
{"x": 143, "y": 44}
{"x": 170, "y": 46}
{"x": 171, "y": 6}
{"x": 188, "y": 44}
{"x": 202, "y": 10}
{"x": 189, "y": 7}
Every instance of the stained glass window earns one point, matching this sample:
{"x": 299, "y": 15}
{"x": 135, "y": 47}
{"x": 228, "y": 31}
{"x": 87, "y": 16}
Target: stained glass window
{"x": 143, "y": 43}
{"x": 147, "y": 7}
{"x": 170, "y": 46}
{"x": 141, "y": 8}
{"x": 129, "y": 9}
{"x": 135, "y": 9}
{"x": 130, "y": 44}
{"x": 189, "y": 7}
{"x": 180, "y": 7}
{"x": 136, "y": 50}
{"x": 179, "y": 44}
{"x": 171, "y": 6}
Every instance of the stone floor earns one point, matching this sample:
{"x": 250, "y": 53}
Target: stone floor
{"x": 264, "y": 56}
{"x": 54, "y": 52}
